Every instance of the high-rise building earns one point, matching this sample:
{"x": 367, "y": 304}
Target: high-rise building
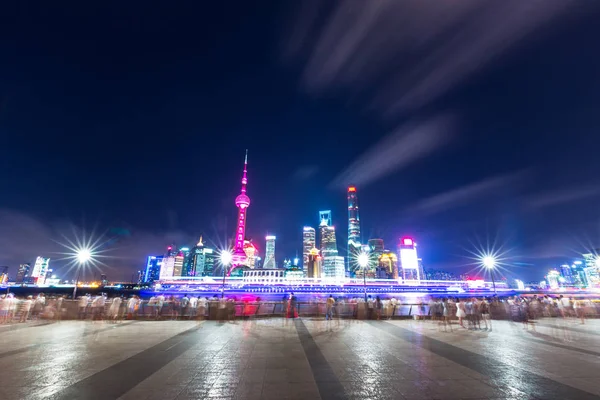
{"x": 40, "y": 269}
{"x": 309, "y": 242}
{"x": 242, "y": 202}
{"x": 199, "y": 261}
{"x": 153, "y": 267}
{"x": 354, "y": 245}
{"x": 179, "y": 259}
{"x": 168, "y": 263}
{"x": 325, "y": 216}
{"x": 23, "y": 273}
{"x": 314, "y": 265}
{"x": 270, "y": 262}
{"x": 409, "y": 262}
{"x": 376, "y": 246}
{"x": 334, "y": 267}
{"x": 328, "y": 243}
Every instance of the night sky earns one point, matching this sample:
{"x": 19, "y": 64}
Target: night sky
{"x": 466, "y": 124}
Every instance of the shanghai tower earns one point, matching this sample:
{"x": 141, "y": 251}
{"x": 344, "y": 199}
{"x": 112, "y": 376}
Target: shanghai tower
{"x": 242, "y": 201}
{"x": 353, "y": 229}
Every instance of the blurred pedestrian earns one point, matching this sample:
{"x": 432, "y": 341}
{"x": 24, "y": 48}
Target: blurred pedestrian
{"x": 329, "y": 307}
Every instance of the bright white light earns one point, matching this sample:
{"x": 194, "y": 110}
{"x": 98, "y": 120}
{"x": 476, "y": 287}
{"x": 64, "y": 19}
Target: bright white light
{"x": 363, "y": 260}
{"x": 489, "y": 262}
{"x": 84, "y": 255}
{"x": 225, "y": 257}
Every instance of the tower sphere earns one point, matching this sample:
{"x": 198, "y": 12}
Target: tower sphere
{"x": 242, "y": 201}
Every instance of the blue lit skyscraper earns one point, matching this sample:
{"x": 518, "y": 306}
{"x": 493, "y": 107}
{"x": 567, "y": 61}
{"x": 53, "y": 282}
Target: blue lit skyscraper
{"x": 153, "y": 269}
{"x": 354, "y": 245}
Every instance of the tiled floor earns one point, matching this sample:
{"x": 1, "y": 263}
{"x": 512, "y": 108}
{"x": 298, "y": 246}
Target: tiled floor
{"x": 299, "y": 359}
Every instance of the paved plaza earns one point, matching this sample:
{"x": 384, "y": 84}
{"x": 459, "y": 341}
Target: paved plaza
{"x": 299, "y": 359}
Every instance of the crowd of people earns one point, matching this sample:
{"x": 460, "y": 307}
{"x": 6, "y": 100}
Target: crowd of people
{"x": 469, "y": 313}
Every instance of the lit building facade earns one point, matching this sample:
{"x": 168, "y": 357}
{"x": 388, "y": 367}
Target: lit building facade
{"x": 334, "y": 268}
{"x": 409, "y": 261}
{"x": 251, "y": 253}
{"x": 309, "y": 242}
{"x": 354, "y": 242}
{"x": 23, "y": 273}
{"x": 328, "y": 243}
{"x": 153, "y": 267}
{"x": 387, "y": 267}
{"x": 40, "y": 270}
{"x": 168, "y": 263}
{"x": 270, "y": 262}
{"x": 180, "y": 257}
{"x": 242, "y": 202}
{"x": 325, "y": 216}
{"x": 200, "y": 261}
{"x": 314, "y": 265}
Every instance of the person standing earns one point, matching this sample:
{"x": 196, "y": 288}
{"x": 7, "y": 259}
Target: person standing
{"x": 83, "y": 305}
{"x": 193, "y": 307}
{"x": 184, "y": 306}
{"x": 293, "y": 306}
{"x": 370, "y": 307}
{"x": 460, "y": 312}
{"x": 202, "y": 303}
{"x": 113, "y": 310}
{"x": 132, "y": 308}
{"x": 26, "y": 308}
{"x": 329, "y": 307}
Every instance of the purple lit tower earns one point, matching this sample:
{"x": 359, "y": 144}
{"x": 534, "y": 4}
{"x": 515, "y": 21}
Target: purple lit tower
{"x": 241, "y": 202}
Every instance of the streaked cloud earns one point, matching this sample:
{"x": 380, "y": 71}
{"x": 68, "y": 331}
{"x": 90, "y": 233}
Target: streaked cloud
{"x": 408, "y": 53}
{"x": 563, "y": 196}
{"x": 467, "y": 194}
{"x": 407, "y": 144}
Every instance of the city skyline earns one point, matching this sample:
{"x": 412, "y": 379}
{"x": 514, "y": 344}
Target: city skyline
{"x": 139, "y": 134}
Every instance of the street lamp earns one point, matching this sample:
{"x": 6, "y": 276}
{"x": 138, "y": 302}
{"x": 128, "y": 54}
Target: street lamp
{"x": 82, "y": 257}
{"x": 490, "y": 263}
{"x": 363, "y": 262}
{"x": 225, "y": 258}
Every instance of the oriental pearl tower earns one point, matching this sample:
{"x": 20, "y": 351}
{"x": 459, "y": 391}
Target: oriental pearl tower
{"x": 242, "y": 201}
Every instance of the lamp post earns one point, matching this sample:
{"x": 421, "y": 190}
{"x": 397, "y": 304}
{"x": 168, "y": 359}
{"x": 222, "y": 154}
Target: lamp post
{"x": 363, "y": 262}
{"x": 490, "y": 263}
{"x": 83, "y": 257}
{"x": 225, "y": 258}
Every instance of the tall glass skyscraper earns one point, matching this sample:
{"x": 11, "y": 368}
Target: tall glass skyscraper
{"x": 270, "y": 252}
{"x": 353, "y": 229}
{"x": 153, "y": 267}
{"x": 309, "y": 242}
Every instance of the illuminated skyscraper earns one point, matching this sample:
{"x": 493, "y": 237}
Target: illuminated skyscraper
{"x": 153, "y": 267}
{"x": 354, "y": 245}
{"x": 326, "y": 216}
{"x": 328, "y": 243}
{"x": 242, "y": 202}
{"x": 270, "y": 262}
{"x": 40, "y": 269}
{"x": 23, "y": 273}
{"x": 180, "y": 257}
{"x": 168, "y": 263}
{"x": 409, "y": 262}
{"x": 309, "y": 242}
{"x": 199, "y": 261}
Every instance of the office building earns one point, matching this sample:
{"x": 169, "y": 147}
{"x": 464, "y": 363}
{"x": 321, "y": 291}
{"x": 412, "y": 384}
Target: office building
{"x": 23, "y": 273}
{"x": 309, "y": 242}
{"x": 314, "y": 265}
{"x": 334, "y": 268}
{"x": 153, "y": 266}
{"x": 270, "y": 262}
{"x": 409, "y": 261}
{"x": 354, "y": 242}
{"x": 242, "y": 202}
{"x": 328, "y": 243}
{"x": 325, "y": 216}
{"x": 387, "y": 266}
{"x": 168, "y": 263}
{"x": 180, "y": 257}
{"x": 40, "y": 270}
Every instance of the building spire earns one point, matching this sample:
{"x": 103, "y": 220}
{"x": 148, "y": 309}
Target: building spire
{"x": 244, "y": 177}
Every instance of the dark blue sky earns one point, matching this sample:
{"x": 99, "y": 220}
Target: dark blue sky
{"x": 461, "y": 125}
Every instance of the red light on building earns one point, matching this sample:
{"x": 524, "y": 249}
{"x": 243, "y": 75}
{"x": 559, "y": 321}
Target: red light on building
{"x": 352, "y": 189}
{"x": 407, "y": 241}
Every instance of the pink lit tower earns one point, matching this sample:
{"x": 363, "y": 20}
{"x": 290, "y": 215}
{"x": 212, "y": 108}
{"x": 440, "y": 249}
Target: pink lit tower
{"x": 241, "y": 202}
